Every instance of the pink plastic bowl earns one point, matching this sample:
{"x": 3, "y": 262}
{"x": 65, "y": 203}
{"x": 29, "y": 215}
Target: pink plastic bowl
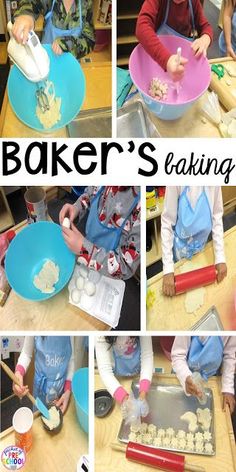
{"x": 195, "y": 82}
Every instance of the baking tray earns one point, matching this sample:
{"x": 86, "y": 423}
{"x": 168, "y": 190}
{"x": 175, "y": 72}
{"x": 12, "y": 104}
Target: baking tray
{"x": 94, "y": 123}
{"x": 133, "y": 122}
{"x": 167, "y": 403}
{"x": 209, "y": 322}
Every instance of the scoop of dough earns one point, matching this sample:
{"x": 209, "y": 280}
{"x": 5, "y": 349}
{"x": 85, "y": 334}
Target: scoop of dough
{"x": 47, "y": 277}
{"x": 80, "y": 283}
{"x": 191, "y": 419}
{"x": 54, "y": 418}
{"x": 83, "y": 271}
{"x": 66, "y": 222}
{"x": 90, "y": 288}
{"x": 76, "y": 295}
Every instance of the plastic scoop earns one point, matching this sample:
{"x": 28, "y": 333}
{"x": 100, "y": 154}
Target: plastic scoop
{"x": 194, "y": 279}
{"x": 156, "y": 458}
{"x": 177, "y": 84}
{"x": 36, "y": 401}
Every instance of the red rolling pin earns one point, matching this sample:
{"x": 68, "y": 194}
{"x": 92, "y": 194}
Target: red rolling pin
{"x": 194, "y": 279}
{"x": 156, "y": 458}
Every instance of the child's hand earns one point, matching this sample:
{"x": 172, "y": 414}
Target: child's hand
{"x": 228, "y": 399}
{"x": 73, "y": 238}
{"x": 168, "y": 285}
{"x": 230, "y": 52}
{"x": 200, "y": 45}
{"x": 56, "y": 48}
{"x": 124, "y": 407}
{"x": 175, "y": 70}
{"x": 191, "y": 387}
{"x": 221, "y": 271}
{"x": 20, "y": 391}
{"x": 22, "y": 26}
{"x": 63, "y": 401}
{"x": 69, "y": 211}
{"x": 144, "y": 407}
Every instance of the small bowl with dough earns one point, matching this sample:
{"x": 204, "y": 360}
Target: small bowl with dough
{"x": 54, "y": 424}
{"x": 28, "y": 253}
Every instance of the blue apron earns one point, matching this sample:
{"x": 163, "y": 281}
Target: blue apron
{"x": 52, "y": 356}
{"x": 193, "y": 226}
{"x": 51, "y": 32}
{"x": 127, "y": 364}
{"x": 97, "y": 232}
{"x": 205, "y": 357}
{"x": 222, "y": 44}
{"x": 164, "y": 29}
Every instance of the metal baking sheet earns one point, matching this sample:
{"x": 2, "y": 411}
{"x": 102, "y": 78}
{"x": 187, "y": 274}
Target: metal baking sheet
{"x": 91, "y": 124}
{"x": 209, "y": 322}
{"x": 131, "y": 122}
{"x": 167, "y": 404}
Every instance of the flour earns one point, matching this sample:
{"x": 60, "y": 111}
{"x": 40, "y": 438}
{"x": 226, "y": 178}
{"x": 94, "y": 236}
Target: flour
{"x": 47, "y": 277}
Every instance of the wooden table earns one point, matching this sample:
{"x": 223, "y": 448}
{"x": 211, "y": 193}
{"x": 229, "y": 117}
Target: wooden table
{"x": 106, "y": 430}
{"x": 52, "y": 453}
{"x": 98, "y": 95}
{"x": 53, "y": 314}
{"x": 170, "y": 314}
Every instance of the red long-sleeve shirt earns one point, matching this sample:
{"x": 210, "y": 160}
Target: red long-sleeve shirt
{"x": 151, "y": 17}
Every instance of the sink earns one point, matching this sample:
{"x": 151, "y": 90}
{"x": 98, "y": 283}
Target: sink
{"x": 95, "y": 123}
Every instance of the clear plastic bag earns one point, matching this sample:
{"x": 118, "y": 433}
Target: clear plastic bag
{"x": 226, "y": 122}
{"x": 133, "y": 409}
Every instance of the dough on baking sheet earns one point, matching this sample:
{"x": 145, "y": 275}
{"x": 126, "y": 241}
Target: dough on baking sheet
{"x": 132, "y": 437}
{"x": 208, "y": 448}
{"x": 170, "y": 432}
{"x": 207, "y": 436}
{"x": 161, "y": 433}
{"x": 204, "y": 418}
{"x": 199, "y": 446}
{"x": 166, "y": 442}
{"x": 182, "y": 443}
{"x": 143, "y": 428}
{"x": 190, "y": 446}
{"x": 181, "y": 434}
{"x": 174, "y": 443}
{"x": 135, "y": 428}
{"x": 157, "y": 442}
{"x": 190, "y": 437}
{"x": 152, "y": 429}
{"x": 194, "y": 299}
{"x": 47, "y": 277}
{"x": 147, "y": 438}
{"x": 199, "y": 437}
{"x": 191, "y": 419}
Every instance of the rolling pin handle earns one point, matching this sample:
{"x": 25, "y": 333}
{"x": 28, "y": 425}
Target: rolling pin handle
{"x": 193, "y": 468}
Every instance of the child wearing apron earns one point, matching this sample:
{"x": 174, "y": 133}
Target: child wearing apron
{"x": 172, "y": 17}
{"x": 206, "y": 355}
{"x": 125, "y": 356}
{"x": 111, "y": 244}
{"x": 68, "y": 27}
{"x": 190, "y": 214}
{"x": 54, "y": 368}
{"x": 227, "y": 38}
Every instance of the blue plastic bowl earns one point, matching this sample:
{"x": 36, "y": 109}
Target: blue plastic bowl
{"x": 27, "y": 253}
{"x": 68, "y": 78}
{"x": 80, "y": 392}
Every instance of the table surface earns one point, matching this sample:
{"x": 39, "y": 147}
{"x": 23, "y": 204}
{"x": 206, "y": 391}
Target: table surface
{"x": 53, "y": 314}
{"x": 169, "y": 313}
{"x": 56, "y": 453}
{"x": 106, "y": 430}
{"x": 98, "y": 95}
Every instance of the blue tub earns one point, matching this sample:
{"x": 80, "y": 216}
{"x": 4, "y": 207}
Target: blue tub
{"x": 80, "y": 386}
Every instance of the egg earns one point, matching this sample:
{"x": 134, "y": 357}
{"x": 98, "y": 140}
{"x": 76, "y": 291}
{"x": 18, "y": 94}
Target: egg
{"x": 75, "y": 295}
{"x": 94, "y": 276}
{"x": 90, "y": 288}
{"x": 80, "y": 283}
{"x": 83, "y": 271}
{"x": 66, "y": 223}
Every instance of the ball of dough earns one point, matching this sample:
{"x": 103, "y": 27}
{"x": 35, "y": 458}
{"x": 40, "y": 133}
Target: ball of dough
{"x": 83, "y": 271}
{"x": 80, "y": 283}
{"x": 208, "y": 448}
{"x": 66, "y": 222}
{"x": 90, "y": 288}
{"x": 170, "y": 432}
{"x": 75, "y": 295}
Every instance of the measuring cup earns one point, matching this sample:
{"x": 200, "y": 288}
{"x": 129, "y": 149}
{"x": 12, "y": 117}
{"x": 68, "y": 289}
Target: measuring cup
{"x": 22, "y": 423}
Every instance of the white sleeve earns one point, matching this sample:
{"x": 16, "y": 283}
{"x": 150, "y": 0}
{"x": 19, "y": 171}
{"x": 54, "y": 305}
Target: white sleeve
{"x": 168, "y": 220}
{"x": 179, "y": 354}
{"x": 26, "y": 353}
{"x": 104, "y": 362}
{"x": 228, "y": 365}
{"x": 146, "y": 358}
{"x": 71, "y": 365}
{"x": 217, "y": 226}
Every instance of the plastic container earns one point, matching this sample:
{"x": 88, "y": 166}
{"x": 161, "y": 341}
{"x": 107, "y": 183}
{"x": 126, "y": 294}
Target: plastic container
{"x": 35, "y": 199}
{"x": 195, "y": 82}
{"x": 22, "y": 423}
{"x": 80, "y": 392}
{"x": 71, "y": 89}
{"x": 150, "y": 197}
{"x": 27, "y": 253}
{"x": 200, "y": 383}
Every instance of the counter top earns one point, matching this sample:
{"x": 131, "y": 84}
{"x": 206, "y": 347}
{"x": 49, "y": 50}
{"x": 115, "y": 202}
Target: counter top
{"x": 58, "y": 453}
{"x": 106, "y": 430}
{"x": 98, "y": 95}
{"x": 169, "y": 313}
{"x": 55, "y": 313}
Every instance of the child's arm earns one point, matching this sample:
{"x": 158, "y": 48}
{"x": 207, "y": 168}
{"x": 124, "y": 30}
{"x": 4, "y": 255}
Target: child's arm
{"x": 24, "y": 18}
{"x": 227, "y": 20}
{"x": 23, "y": 364}
{"x": 168, "y": 220}
{"x": 80, "y": 207}
{"x": 64, "y": 399}
{"x": 179, "y": 354}
{"x": 218, "y": 234}
{"x": 228, "y": 370}
{"x": 104, "y": 362}
{"x": 146, "y": 364}
{"x": 204, "y": 29}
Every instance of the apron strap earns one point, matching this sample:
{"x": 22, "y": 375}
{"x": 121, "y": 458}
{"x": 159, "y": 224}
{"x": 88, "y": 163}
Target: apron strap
{"x": 167, "y": 12}
{"x": 192, "y": 16}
